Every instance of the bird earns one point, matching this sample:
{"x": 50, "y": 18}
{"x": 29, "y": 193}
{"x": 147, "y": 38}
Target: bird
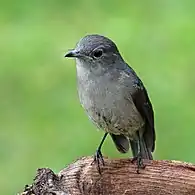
{"x": 114, "y": 98}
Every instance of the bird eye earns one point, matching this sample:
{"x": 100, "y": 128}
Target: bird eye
{"x": 98, "y": 53}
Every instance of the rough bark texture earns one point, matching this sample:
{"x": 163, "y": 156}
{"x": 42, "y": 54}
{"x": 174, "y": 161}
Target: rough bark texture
{"x": 118, "y": 177}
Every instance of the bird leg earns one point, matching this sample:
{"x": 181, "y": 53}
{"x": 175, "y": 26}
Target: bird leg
{"x": 138, "y": 157}
{"x": 139, "y": 161}
{"x": 98, "y": 157}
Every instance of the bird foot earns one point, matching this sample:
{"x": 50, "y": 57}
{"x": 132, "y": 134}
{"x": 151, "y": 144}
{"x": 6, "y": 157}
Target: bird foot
{"x": 98, "y": 159}
{"x": 140, "y": 164}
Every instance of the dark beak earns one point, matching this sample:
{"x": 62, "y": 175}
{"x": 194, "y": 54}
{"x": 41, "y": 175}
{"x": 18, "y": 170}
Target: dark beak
{"x": 72, "y": 54}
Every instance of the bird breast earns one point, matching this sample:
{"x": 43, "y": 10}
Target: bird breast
{"x": 108, "y": 103}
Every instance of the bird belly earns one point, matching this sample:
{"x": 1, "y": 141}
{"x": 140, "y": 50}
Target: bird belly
{"x": 110, "y": 111}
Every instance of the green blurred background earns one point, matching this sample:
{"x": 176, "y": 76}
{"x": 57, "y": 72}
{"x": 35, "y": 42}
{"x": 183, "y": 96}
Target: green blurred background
{"x": 42, "y": 123}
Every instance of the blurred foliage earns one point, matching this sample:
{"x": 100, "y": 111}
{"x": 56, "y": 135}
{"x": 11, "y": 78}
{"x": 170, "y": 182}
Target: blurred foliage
{"x": 42, "y": 123}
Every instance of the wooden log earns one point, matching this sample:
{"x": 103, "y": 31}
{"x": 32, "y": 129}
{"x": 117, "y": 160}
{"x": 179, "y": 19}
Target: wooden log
{"x": 118, "y": 177}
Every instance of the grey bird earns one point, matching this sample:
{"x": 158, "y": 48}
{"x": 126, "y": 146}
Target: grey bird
{"x": 114, "y": 98}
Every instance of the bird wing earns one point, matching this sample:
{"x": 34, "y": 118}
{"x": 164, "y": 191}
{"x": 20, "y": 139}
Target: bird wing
{"x": 144, "y": 106}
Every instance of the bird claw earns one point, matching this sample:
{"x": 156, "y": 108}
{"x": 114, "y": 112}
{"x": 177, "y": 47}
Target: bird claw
{"x": 140, "y": 164}
{"x": 98, "y": 158}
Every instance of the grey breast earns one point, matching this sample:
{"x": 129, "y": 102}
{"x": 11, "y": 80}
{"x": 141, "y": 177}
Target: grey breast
{"x": 108, "y": 102}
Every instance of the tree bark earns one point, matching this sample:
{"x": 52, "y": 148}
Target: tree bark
{"x": 118, "y": 177}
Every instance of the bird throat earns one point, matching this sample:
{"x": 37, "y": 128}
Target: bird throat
{"x": 89, "y": 69}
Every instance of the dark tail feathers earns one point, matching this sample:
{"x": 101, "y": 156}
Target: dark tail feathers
{"x": 146, "y": 152}
{"x": 121, "y": 142}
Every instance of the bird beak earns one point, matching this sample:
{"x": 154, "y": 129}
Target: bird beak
{"x": 72, "y": 54}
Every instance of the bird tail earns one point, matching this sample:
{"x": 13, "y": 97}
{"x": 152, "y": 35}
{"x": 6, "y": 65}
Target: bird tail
{"x": 146, "y": 152}
{"x": 121, "y": 142}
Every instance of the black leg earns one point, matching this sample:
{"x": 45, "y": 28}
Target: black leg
{"x": 98, "y": 157}
{"x": 138, "y": 158}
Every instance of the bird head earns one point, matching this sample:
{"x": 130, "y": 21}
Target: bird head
{"x": 96, "y": 51}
